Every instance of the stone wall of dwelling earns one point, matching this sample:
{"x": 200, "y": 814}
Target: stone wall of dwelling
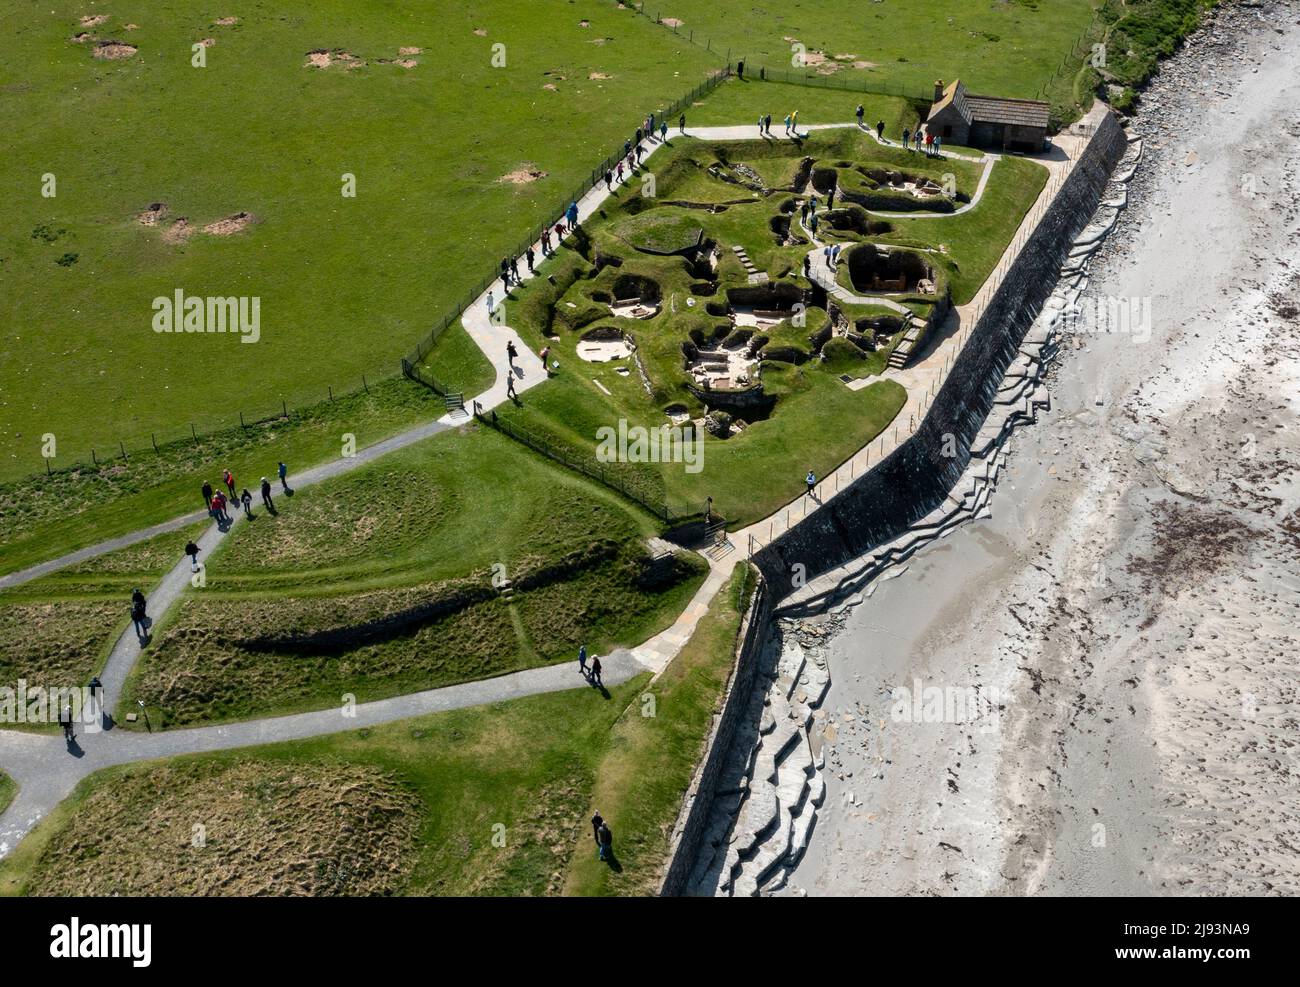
{"x": 693, "y": 817}
{"x": 916, "y": 477}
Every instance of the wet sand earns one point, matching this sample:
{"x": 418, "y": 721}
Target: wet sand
{"x": 1125, "y": 628}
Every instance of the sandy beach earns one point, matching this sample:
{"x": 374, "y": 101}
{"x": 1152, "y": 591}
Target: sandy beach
{"x": 1117, "y": 648}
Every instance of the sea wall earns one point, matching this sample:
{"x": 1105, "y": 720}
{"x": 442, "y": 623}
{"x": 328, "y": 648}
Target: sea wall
{"x": 694, "y": 814}
{"x": 917, "y": 476}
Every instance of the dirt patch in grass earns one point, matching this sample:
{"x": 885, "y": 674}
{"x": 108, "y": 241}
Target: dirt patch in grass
{"x": 206, "y": 42}
{"x": 480, "y": 32}
{"x": 151, "y": 216}
{"x": 673, "y": 21}
{"x": 406, "y": 63}
{"x": 526, "y": 172}
{"x": 225, "y": 21}
{"x": 178, "y": 232}
{"x": 600, "y": 75}
{"x": 82, "y": 38}
{"x": 323, "y": 58}
{"x": 267, "y": 828}
{"x": 94, "y": 20}
{"x": 113, "y": 50}
{"x": 409, "y": 50}
{"x": 230, "y": 225}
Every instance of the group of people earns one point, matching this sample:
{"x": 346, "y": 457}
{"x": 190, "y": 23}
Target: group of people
{"x": 932, "y": 144}
{"x": 590, "y": 672}
{"x": 216, "y": 501}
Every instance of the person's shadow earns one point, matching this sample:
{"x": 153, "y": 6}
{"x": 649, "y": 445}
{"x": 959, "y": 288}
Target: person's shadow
{"x": 74, "y": 748}
{"x": 611, "y": 859}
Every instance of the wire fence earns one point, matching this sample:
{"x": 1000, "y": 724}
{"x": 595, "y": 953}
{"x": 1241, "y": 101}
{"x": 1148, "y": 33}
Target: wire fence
{"x": 190, "y": 434}
{"x": 1072, "y": 61}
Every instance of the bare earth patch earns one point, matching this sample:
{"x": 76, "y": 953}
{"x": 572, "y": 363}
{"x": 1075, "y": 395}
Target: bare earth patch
{"x": 323, "y": 58}
{"x": 409, "y": 50}
{"x": 268, "y": 828}
{"x": 673, "y": 21}
{"x": 207, "y": 42}
{"x": 113, "y": 50}
{"x": 480, "y": 32}
{"x": 524, "y": 174}
{"x": 178, "y": 232}
{"x": 94, "y": 20}
{"x": 600, "y": 75}
{"x": 83, "y": 37}
{"x": 131, "y": 27}
{"x": 406, "y": 63}
{"x": 225, "y": 21}
{"x": 230, "y": 225}
{"x": 151, "y": 216}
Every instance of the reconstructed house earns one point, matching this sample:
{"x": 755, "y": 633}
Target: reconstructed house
{"x": 960, "y": 117}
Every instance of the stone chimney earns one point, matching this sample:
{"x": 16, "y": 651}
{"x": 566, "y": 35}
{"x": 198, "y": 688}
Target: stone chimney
{"x": 938, "y": 90}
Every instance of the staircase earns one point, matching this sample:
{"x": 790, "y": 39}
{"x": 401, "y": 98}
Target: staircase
{"x": 755, "y": 275}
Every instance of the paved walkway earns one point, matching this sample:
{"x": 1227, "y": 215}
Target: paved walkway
{"x": 42, "y": 765}
{"x": 46, "y": 771}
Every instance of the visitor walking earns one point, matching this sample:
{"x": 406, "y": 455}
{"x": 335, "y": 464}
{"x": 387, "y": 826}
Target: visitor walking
{"x": 511, "y": 352}
{"x": 505, "y": 271}
{"x": 929, "y": 144}
{"x": 545, "y": 354}
{"x": 219, "y": 507}
{"x": 938, "y": 145}
{"x": 807, "y": 267}
{"x": 811, "y": 480}
{"x": 605, "y": 841}
{"x": 491, "y": 303}
{"x": 663, "y": 130}
{"x": 787, "y": 124}
{"x": 229, "y": 478}
{"x": 266, "y": 495}
{"x": 528, "y": 256}
{"x": 767, "y": 123}
{"x": 681, "y": 123}
{"x": 803, "y": 213}
{"x": 794, "y": 123}
{"x": 192, "y": 551}
{"x": 858, "y": 113}
{"x": 830, "y": 197}
{"x": 740, "y": 70}
{"x": 207, "y": 495}
{"x": 510, "y": 385}
{"x": 760, "y": 125}
{"x": 65, "y": 721}
{"x": 582, "y": 660}
{"x": 812, "y": 224}
{"x": 572, "y": 215}
{"x": 880, "y": 130}
{"x": 138, "y": 614}
{"x": 917, "y": 139}
{"x": 595, "y": 672}
{"x": 597, "y": 821}
{"x": 284, "y": 472}
{"x": 907, "y": 133}
{"x": 514, "y": 270}
{"x": 609, "y": 180}
{"x": 246, "y": 499}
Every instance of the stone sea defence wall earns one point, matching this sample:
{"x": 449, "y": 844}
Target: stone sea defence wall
{"x": 694, "y": 814}
{"x": 915, "y": 478}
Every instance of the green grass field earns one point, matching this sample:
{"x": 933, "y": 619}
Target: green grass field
{"x": 492, "y": 800}
{"x": 1000, "y": 47}
{"x": 346, "y": 285}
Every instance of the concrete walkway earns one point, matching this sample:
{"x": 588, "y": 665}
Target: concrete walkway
{"x": 47, "y": 770}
